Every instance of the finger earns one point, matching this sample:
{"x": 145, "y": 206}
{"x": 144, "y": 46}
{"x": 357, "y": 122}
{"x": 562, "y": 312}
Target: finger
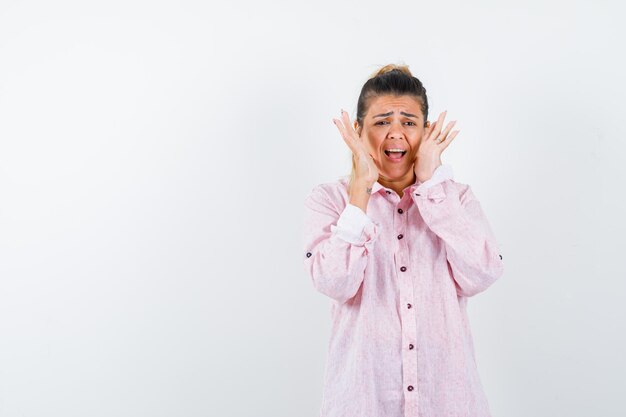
{"x": 346, "y": 138}
{"x": 447, "y": 142}
{"x": 350, "y": 137}
{"x": 340, "y": 127}
{"x": 435, "y": 132}
{"x": 346, "y": 121}
{"x": 443, "y": 134}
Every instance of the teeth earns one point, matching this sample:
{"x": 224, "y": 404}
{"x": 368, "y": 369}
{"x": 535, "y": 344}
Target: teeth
{"x": 388, "y": 151}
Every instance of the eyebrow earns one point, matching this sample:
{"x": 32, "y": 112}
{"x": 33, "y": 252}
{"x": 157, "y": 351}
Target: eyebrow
{"x": 390, "y": 113}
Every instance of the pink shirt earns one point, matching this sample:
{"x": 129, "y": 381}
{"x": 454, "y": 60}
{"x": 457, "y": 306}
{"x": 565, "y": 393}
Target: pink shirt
{"x": 399, "y": 278}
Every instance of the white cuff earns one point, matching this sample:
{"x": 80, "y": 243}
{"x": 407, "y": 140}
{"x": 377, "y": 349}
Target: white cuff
{"x": 350, "y": 224}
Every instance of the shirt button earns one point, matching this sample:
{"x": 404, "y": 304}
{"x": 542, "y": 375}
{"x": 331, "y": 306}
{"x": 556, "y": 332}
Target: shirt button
{"x": 308, "y": 254}
{"x": 410, "y": 387}
{"x": 417, "y": 194}
{"x": 400, "y": 211}
{"x": 400, "y": 236}
{"x": 410, "y": 345}
{"x": 408, "y": 305}
{"x": 500, "y": 256}
{"x": 388, "y": 192}
{"x": 403, "y": 268}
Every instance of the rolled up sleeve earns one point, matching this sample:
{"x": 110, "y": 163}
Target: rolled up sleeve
{"x": 336, "y": 243}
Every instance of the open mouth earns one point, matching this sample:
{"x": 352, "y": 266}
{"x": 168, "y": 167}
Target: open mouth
{"x": 395, "y": 155}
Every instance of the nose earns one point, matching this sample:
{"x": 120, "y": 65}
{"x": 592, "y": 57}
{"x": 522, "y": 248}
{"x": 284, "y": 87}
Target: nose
{"x": 395, "y": 132}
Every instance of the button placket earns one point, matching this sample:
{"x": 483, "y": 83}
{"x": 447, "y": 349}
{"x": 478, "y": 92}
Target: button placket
{"x": 407, "y": 316}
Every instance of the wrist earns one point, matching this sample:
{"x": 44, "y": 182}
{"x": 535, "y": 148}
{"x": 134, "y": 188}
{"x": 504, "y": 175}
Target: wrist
{"x": 425, "y": 173}
{"x": 360, "y": 187}
{"x": 359, "y": 194}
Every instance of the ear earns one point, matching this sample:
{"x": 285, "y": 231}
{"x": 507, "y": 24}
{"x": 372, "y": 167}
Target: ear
{"x": 356, "y": 127}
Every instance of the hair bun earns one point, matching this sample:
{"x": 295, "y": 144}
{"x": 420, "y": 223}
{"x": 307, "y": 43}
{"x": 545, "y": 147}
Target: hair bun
{"x": 391, "y": 67}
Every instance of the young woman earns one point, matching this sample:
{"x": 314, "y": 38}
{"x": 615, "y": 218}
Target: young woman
{"x": 399, "y": 247}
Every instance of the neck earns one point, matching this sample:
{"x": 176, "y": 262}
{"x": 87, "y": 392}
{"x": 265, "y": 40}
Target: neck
{"x": 398, "y": 184}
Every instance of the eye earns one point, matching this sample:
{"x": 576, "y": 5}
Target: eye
{"x": 383, "y": 121}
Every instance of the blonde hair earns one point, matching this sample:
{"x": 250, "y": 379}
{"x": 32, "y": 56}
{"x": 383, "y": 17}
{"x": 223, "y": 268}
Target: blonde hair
{"x": 394, "y": 79}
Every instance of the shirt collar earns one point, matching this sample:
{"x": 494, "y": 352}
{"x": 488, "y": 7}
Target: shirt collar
{"x": 378, "y": 187}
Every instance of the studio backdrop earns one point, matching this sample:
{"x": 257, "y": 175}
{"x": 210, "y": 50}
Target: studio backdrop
{"x": 155, "y": 158}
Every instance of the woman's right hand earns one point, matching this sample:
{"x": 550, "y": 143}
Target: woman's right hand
{"x": 366, "y": 170}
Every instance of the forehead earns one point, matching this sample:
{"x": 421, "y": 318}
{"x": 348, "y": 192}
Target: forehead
{"x": 387, "y": 103}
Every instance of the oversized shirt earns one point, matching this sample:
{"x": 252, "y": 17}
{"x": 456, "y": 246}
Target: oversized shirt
{"x": 399, "y": 277}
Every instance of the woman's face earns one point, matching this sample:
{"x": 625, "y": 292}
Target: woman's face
{"x": 393, "y": 122}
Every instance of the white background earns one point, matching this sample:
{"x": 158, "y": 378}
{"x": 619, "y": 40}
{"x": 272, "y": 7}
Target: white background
{"x": 154, "y": 158}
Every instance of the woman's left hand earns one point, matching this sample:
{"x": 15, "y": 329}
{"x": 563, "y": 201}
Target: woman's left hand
{"x": 428, "y": 156}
